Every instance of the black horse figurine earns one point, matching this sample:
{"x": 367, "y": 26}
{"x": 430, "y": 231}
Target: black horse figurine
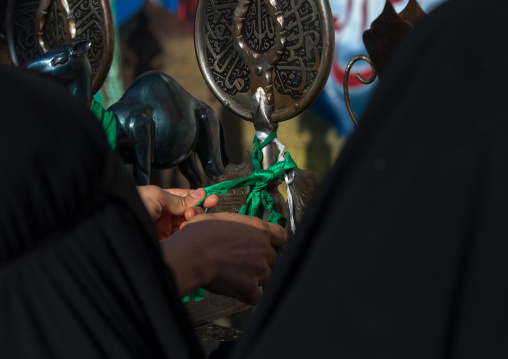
{"x": 159, "y": 124}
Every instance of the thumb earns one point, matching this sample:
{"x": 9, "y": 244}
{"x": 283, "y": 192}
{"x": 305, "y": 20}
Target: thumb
{"x": 177, "y": 204}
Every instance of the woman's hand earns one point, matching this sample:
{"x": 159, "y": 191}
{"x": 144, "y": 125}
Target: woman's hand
{"x": 170, "y": 208}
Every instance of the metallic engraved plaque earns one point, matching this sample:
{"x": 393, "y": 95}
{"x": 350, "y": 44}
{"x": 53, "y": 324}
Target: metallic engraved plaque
{"x": 294, "y": 38}
{"x": 36, "y": 25}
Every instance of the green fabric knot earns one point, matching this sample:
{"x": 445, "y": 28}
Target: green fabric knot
{"x": 107, "y": 119}
{"x": 258, "y": 198}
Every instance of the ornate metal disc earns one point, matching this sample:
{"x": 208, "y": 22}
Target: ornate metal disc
{"x": 33, "y": 26}
{"x": 293, "y": 78}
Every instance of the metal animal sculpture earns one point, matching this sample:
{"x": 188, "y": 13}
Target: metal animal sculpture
{"x": 159, "y": 124}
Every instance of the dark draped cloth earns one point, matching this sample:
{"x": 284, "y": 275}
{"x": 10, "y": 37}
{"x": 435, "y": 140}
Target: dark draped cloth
{"x": 404, "y": 252}
{"x": 81, "y": 273}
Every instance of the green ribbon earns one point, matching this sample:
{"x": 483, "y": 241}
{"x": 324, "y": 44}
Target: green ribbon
{"x": 258, "y": 198}
{"x": 107, "y": 119}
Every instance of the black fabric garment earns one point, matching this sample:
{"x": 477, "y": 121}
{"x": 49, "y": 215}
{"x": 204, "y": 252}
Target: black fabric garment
{"x": 403, "y": 254}
{"x": 81, "y": 274}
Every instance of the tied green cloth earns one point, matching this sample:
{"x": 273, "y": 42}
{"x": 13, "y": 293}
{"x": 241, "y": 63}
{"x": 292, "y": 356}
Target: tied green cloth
{"x": 258, "y": 198}
{"x": 107, "y": 119}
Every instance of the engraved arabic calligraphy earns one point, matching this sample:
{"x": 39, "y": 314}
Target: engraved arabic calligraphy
{"x": 259, "y": 28}
{"x": 297, "y": 67}
{"x": 300, "y": 62}
{"x": 228, "y": 70}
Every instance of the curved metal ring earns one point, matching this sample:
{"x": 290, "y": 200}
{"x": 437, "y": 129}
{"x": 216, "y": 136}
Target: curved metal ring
{"x": 360, "y": 78}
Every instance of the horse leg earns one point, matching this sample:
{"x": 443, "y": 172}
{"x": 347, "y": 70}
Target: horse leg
{"x": 141, "y": 135}
{"x": 190, "y": 169}
{"x": 208, "y": 146}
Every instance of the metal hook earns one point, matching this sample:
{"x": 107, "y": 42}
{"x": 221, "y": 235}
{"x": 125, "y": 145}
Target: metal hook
{"x": 360, "y": 78}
